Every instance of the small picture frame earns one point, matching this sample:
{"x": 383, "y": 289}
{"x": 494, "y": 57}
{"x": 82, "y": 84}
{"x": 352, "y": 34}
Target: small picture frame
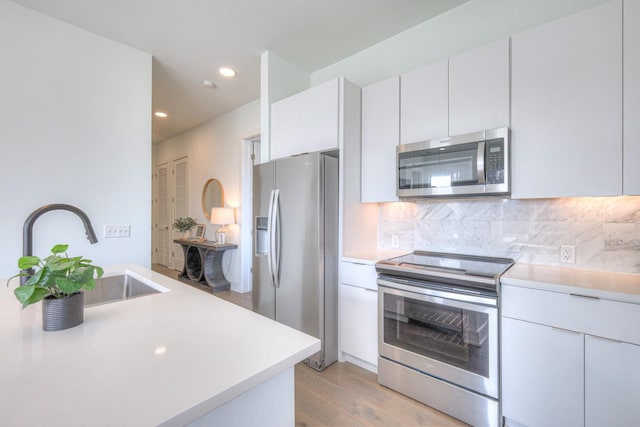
{"x": 198, "y": 233}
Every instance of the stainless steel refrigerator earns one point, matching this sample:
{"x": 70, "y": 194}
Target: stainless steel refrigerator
{"x": 295, "y": 247}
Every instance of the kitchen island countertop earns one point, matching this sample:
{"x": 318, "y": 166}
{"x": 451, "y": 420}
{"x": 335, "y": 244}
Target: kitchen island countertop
{"x": 161, "y": 359}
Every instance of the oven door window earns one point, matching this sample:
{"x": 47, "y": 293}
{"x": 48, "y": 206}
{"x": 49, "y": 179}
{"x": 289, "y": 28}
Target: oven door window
{"x": 434, "y": 168}
{"x": 452, "y": 335}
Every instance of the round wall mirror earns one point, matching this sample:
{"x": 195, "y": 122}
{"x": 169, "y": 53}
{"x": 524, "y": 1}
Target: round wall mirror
{"x": 212, "y": 196}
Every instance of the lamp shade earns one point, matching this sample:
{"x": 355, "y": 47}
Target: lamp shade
{"x": 222, "y": 216}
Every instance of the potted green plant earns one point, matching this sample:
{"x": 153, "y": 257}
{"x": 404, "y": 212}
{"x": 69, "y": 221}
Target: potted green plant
{"x": 184, "y": 224}
{"x": 57, "y": 281}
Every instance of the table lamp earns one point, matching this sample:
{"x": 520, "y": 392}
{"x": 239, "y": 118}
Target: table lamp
{"x": 222, "y": 217}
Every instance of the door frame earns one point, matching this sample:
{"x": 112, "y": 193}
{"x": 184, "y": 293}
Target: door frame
{"x": 249, "y": 153}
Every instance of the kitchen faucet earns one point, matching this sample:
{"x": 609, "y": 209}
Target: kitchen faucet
{"x": 27, "y": 229}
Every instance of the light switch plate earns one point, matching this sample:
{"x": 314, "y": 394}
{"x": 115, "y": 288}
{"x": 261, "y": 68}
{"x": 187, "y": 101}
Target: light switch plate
{"x": 117, "y": 231}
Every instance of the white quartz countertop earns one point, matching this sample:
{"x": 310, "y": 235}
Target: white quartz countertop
{"x": 161, "y": 359}
{"x": 623, "y": 287}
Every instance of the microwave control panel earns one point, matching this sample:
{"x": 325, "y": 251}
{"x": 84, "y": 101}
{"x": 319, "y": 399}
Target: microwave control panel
{"x": 494, "y": 163}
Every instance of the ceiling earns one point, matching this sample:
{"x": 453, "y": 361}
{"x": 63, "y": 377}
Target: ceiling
{"x": 191, "y": 39}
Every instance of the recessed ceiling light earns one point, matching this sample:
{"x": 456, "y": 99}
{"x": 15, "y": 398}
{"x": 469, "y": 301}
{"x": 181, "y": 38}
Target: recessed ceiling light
{"x": 160, "y": 114}
{"x": 227, "y": 72}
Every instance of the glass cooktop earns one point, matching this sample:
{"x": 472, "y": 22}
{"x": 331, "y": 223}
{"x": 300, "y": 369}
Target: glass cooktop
{"x": 435, "y": 263}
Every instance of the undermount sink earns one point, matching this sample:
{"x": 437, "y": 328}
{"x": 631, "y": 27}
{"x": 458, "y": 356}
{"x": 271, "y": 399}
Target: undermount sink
{"x": 118, "y": 288}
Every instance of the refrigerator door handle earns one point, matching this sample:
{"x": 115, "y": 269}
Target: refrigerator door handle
{"x": 276, "y": 239}
{"x": 270, "y": 226}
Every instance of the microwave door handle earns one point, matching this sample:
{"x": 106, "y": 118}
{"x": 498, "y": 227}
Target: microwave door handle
{"x": 480, "y": 164}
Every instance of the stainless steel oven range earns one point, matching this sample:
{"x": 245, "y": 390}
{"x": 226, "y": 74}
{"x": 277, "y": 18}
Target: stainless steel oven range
{"x": 438, "y": 336}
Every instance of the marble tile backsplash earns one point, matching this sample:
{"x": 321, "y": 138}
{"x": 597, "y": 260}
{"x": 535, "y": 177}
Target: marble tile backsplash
{"x": 604, "y": 230}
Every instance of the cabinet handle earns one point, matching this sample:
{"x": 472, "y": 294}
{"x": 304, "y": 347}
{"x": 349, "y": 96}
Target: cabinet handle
{"x": 370, "y": 290}
{"x": 358, "y": 263}
{"x": 584, "y": 296}
{"x": 565, "y": 330}
{"x": 607, "y": 339}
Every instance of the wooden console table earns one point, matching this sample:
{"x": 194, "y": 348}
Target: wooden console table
{"x": 203, "y": 263}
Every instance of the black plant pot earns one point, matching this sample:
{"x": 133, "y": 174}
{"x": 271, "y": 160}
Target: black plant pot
{"x": 62, "y": 313}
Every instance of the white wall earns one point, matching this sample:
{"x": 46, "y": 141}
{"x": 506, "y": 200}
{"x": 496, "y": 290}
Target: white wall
{"x": 75, "y": 121}
{"x": 215, "y": 151}
{"x": 469, "y": 25}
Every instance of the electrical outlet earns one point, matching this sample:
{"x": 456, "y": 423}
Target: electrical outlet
{"x": 568, "y": 254}
{"x": 395, "y": 241}
{"x": 116, "y": 231}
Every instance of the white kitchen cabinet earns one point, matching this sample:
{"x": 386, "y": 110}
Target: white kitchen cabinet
{"x": 569, "y": 358}
{"x": 424, "y": 103}
{"x": 380, "y": 136}
{"x": 479, "y": 89}
{"x": 542, "y": 374}
{"x": 359, "y": 314}
{"x": 306, "y": 122}
{"x": 631, "y": 137}
{"x": 566, "y": 99}
{"x": 612, "y": 383}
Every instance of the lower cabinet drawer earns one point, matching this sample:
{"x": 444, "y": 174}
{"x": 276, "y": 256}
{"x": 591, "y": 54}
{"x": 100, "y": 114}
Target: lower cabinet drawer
{"x": 594, "y": 316}
{"x": 358, "y": 274}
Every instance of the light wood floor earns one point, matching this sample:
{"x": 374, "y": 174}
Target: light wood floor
{"x": 345, "y": 395}
{"x": 243, "y": 300}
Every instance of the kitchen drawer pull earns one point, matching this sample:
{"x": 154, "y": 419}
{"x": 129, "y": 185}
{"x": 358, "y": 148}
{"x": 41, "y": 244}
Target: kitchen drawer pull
{"x": 565, "y": 330}
{"x": 370, "y": 290}
{"x": 608, "y": 339}
{"x": 357, "y": 263}
{"x": 584, "y": 296}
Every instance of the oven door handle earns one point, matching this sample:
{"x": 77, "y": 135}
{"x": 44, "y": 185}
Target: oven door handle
{"x": 436, "y": 293}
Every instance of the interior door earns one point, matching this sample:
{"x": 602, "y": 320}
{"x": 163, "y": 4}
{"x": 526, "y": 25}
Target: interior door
{"x": 161, "y": 215}
{"x": 180, "y": 173}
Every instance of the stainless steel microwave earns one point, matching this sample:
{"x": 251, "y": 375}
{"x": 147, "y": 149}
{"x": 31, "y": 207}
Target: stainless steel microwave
{"x": 473, "y": 164}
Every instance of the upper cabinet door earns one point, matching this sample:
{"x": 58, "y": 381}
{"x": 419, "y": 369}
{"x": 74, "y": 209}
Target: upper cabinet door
{"x": 320, "y": 118}
{"x": 306, "y": 122}
{"x": 567, "y": 106}
{"x": 424, "y": 103}
{"x": 631, "y": 137}
{"x": 380, "y": 136}
{"x": 286, "y": 118}
{"x": 479, "y": 89}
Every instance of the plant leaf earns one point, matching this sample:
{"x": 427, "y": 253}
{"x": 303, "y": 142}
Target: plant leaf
{"x": 23, "y": 293}
{"x": 27, "y": 262}
{"x": 58, "y": 249}
{"x": 49, "y": 277}
{"x": 90, "y": 284}
{"x": 39, "y": 293}
{"x": 62, "y": 265}
{"x": 35, "y": 279}
{"x": 67, "y": 285}
{"x": 99, "y": 271}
